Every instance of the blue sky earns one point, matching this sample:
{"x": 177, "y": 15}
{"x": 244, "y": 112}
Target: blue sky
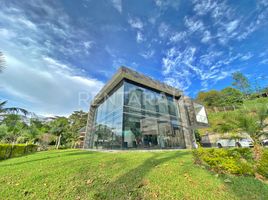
{"x": 57, "y": 51}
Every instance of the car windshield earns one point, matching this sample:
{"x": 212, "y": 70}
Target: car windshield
{"x": 246, "y": 140}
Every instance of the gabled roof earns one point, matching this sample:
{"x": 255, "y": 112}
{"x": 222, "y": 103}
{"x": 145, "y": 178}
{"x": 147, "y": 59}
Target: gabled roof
{"x": 129, "y": 74}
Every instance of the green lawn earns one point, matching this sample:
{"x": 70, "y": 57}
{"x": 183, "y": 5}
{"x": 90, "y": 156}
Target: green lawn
{"x": 75, "y": 174}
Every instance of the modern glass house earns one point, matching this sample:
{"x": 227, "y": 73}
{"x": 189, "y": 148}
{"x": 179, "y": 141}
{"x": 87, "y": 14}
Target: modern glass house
{"x": 133, "y": 111}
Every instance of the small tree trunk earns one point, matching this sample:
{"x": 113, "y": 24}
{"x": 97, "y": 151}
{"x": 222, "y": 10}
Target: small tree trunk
{"x": 72, "y": 147}
{"x": 59, "y": 141}
{"x": 257, "y": 151}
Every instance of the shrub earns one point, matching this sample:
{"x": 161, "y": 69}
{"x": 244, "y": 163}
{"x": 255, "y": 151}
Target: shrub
{"x": 263, "y": 165}
{"x": 233, "y": 161}
{"x": 10, "y": 151}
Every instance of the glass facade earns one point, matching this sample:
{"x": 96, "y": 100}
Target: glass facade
{"x": 108, "y": 121}
{"x": 136, "y": 117}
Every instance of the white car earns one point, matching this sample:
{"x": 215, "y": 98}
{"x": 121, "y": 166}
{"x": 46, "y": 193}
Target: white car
{"x": 265, "y": 142}
{"x": 244, "y": 142}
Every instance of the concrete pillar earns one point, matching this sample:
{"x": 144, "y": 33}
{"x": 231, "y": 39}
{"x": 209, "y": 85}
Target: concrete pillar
{"x": 187, "y": 120}
{"x": 89, "y": 136}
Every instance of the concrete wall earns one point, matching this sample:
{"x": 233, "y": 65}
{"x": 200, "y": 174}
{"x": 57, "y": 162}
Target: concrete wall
{"x": 88, "y": 141}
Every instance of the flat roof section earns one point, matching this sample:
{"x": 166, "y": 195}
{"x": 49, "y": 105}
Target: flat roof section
{"x": 129, "y": 74}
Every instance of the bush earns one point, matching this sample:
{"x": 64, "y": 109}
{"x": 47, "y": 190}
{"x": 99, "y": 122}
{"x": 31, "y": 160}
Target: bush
{"x": 263, "y": 165}
{"x": 233, "y": 161}
{"x": 10, "y": 151}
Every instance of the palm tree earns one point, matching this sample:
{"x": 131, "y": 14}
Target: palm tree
{"x": 73, "y": 138}
{"x": 11, "y": 110}
{"x": 253, "y": 123}
{"x": 15, "y": 127}
{"x": 59, "y": 127}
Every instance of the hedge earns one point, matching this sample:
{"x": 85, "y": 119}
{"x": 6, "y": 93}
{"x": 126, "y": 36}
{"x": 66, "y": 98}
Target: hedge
{"x": 262, "y": 167}
{"x": 237, "y": 161}
{"x": 10, "y": 151}
{"x": 233, "y": 161}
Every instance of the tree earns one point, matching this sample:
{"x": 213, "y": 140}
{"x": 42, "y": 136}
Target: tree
{"x": 210, "y": 98}
{"x": 231, "y": 96}
{"x": 15, "y": 127}
{"x": 78, "y": 120}
{"x": 241, "y": 82}
{"x": 255, "y": 126}
{"x": 197, "y": 136}
{"x": 73, "y": 138}
{"x": 35, "y": 130}
{"x": 227, "y": 97}
{"x": 3, "y": 132}
{"x": 59, "y": 127}
{"x": 2, "y": 62}
{"x": 253, "y": 123}
{"x": 11, "y": 110}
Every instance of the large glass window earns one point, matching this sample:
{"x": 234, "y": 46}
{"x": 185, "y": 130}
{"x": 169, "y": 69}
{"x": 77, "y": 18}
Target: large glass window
{"x": 137, "y": 117}
{"x": 151, "y": 119}
{"x": 108, "y": 121}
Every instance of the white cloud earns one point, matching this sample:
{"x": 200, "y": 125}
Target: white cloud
{"x": 231, "y": 26}
{"x": 220, "y": 10}
{"x": 35, "y": 78}
{"x": 226, "y": 20}
{"x": 206, "y": 37}
{"x": 210, "y": 58}
{"x": 117, "y": 4}
{"x": 136, "y": 23}
{"x": 139, "y": 37}
{"x": 148, "y": 54}
{"x": 264, "y": 61}
{"x": 88, "y": 46}
{"x": 178, "y": 36}
{"x": 264, "y": 53}
{"x": 178, "y": 66}
{"x": 8, "y": 34}
{"x": 246, "y": 56}
{"x": 203, "y": 7}
{"x": 262, "y": 2}
{"x": 48, "y": 89}
{"x": 50, "y": 62}
{"x": 163, "y": 30}
{"x": 27, "y": 22}
{"x": 193, "y": 25}
{"x": 183, "y": 65}
{"x": 167, "y": 3}
{"x": 259, "y": 22}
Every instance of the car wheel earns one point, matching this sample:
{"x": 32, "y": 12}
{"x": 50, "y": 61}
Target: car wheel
{"x": 219, "y": 145}
{"x": 238, "y": 145}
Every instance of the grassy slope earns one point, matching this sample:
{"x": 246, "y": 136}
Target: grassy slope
{"x": 215, "y": 118}
{"x": 74, "y": 174}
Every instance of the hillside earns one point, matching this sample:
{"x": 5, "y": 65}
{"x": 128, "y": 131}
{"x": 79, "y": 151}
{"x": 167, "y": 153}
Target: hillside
{"x": 217, "y": 117}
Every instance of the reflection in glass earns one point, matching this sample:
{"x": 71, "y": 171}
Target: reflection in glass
{"x": 137, "y": 117}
